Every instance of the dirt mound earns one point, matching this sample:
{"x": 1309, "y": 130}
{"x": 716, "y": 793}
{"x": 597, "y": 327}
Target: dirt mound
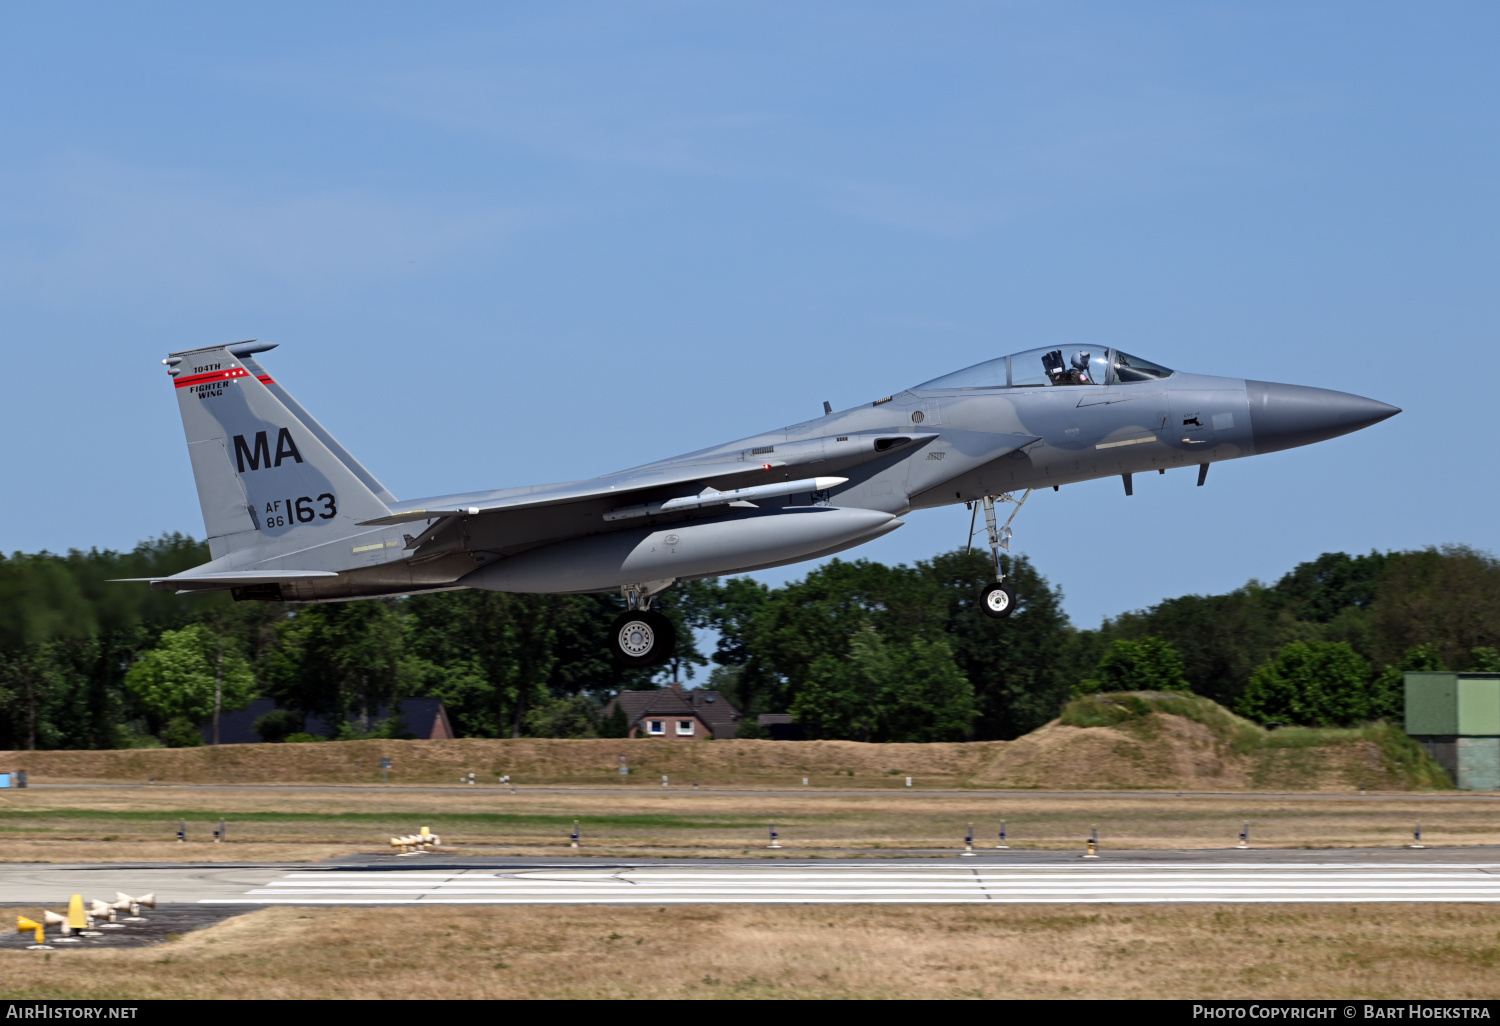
{"x": 1185, "y": 742}
{"x": 1160, "y": 752}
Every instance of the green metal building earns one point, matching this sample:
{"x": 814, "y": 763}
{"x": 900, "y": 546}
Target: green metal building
{"x": 1456, "y": 718}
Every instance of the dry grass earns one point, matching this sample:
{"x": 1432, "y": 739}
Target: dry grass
{"x": 1207, "y": 750}
{"x": 529, "y": 760}
{"x": 1332, "y": 952}
{"x": 306, "y": 824}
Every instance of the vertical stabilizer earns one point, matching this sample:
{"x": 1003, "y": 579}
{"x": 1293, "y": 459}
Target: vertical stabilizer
{"x": 267, "y": 482}
{"x": 345, "y": 457}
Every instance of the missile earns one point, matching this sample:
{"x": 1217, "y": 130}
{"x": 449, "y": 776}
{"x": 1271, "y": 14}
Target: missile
{"x": 714, "y": 497}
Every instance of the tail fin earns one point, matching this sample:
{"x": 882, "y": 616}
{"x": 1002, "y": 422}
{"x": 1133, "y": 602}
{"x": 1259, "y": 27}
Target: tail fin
{"x": 244, "y": 350}
{"x": 268, "y": 482}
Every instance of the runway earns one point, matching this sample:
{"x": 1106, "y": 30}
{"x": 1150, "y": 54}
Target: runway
{"x": 1038, "y": 878}
{"x": 887, "y": 885}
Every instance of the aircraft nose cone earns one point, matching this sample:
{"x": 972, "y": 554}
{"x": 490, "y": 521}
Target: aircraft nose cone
{"x": 1286, "y": 416}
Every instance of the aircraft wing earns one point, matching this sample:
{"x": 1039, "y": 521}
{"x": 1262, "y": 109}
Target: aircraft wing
{"x": 556, "y": 495}
{"x": 753, "y": 470}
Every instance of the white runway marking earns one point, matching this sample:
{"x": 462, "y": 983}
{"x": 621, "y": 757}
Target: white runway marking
{"x": 945, "y": 884}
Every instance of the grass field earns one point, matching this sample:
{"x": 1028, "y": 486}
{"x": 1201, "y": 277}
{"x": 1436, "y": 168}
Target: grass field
{"x": 1310, "y": 951}
{"x": 301, "y": 824}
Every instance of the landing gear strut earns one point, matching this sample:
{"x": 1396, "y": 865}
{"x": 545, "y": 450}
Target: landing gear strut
{"x": 640, "y": 636}
{"x": 997, "y": 600}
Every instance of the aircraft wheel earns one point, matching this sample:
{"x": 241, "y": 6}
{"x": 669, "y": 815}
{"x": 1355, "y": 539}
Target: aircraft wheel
{"x": 998, "y": 601}
{"x": 642, "y": 638}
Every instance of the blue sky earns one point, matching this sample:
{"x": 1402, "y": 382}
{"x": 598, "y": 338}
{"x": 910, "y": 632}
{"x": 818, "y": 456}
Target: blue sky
{"x": 503, "y": 243}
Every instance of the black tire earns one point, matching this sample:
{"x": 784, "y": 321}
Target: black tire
{"x": 642, "y": 639}
{"x": 997, "y": 601}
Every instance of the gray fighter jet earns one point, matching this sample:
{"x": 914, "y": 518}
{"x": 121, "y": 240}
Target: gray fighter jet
{"x": 292, "y": 516}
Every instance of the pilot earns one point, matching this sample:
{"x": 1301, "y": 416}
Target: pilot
{"x": 1080, "y": 375}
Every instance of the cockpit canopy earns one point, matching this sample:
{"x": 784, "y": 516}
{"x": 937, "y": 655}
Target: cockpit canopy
{"x": 1053, "y": 365}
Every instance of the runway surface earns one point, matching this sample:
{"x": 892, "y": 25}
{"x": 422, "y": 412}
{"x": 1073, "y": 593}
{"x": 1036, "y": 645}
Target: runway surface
{"x": 1444, "y": 875}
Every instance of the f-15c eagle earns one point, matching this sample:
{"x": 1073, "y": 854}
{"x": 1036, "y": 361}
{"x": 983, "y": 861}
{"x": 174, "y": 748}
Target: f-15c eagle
{"x": 292, "y": 516}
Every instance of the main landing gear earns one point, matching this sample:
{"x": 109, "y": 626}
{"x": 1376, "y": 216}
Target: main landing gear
{"x": 640, "y": 636}
{"x": 997, "y": 600}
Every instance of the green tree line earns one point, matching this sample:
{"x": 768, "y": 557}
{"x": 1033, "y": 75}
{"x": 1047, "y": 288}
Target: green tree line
{"x": 854, "y": 649}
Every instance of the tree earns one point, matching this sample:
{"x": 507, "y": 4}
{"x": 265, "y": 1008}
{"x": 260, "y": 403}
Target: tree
{"x": 689, "y": 606}
{"x": 339, "y": 659}
{"x": 1484, "y": 660}
{"x": 819, "y": 616}
{"x": 574, "y": 716}
{"x": 881, "y": 692}
{"x": 928, "y": 698}
{"x": 190, "y": 675}
{"x": 1321, "y": 590}
{"x": 181, "y": 732}
{"x": 465, "y": 690}
{"x": 841, "y": 694}
{"x": 1314, "y": 683}
{"x": 1448, "y": 597}
{"x": 750, "y": 729}
{"x": 31, "y": 684}
{"x": 732, "y": 612}
{"x": 1220, "y": 638}
{"x": 616, "y": 724}
{"x": 1388, "y": 691}
{"x": 1015, "y": 664}
{"x": 1011, "y": 665}
{"x": 493, "y": 657}
{"x": 1144, "y": 664}
{"x": 277, "y": 725}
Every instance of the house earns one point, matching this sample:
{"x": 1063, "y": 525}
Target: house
{"x": 673, "y": 712}
{"x": 423, "y": 718}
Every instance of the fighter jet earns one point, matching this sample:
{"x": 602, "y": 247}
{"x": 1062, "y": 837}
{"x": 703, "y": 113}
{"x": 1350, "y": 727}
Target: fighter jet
{"x": 292, "y": 516}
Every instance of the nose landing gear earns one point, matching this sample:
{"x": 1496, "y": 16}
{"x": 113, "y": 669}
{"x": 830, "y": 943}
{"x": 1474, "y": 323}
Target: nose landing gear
{"x": 997, "y": 600}
{"x": 641, "y": 636}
